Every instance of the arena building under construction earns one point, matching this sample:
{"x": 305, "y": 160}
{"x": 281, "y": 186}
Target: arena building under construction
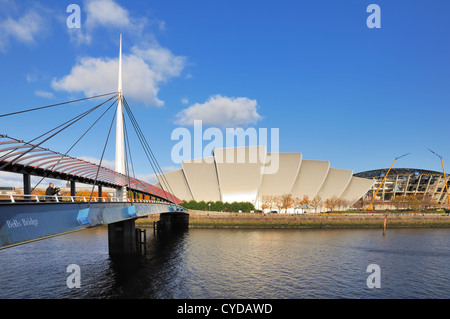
{"x": 428, "y": 186}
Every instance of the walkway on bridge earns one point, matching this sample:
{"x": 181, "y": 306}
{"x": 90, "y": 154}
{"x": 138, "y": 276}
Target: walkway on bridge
{"x": 17, "y": 156}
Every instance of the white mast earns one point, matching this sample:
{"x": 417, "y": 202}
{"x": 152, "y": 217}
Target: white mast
{"x": 120, "y": 140}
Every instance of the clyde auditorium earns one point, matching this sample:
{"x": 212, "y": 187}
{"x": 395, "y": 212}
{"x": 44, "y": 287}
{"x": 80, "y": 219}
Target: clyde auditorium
{"x": 226, "y": 178}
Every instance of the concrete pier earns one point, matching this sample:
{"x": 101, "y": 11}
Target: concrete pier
{"x": 125, "y": 238}
{"x": 169, "y": 221}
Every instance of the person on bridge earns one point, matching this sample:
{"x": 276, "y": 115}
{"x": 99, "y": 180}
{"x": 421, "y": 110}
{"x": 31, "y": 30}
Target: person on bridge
{"x": 51, "y": 192}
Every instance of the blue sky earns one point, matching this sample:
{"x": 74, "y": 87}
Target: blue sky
{"x": 336, "y": 89}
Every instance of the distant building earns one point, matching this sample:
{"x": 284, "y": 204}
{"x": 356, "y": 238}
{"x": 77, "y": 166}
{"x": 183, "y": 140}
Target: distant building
{"x": 7, "y": 190}
{"x": 426, "y": 185}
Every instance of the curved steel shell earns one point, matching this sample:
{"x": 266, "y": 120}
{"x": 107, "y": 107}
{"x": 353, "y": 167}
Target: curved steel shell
{"x": 247, "y": 174}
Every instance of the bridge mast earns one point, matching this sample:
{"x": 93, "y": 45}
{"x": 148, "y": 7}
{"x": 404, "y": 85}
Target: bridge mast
{"x": 121, "y": 193}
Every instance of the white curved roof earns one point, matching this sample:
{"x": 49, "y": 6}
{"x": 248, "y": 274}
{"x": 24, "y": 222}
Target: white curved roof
{"x": 178, "y": 184}
{"x": 310, "y": 178}
{"x": 335, "y": 184}
{"x": 248, "y": 174}
{"x": 283, "y": 180}
{"x": 240, "y": 172}
{"x": 201, "y": 177}
{"x": 356, "y": 189}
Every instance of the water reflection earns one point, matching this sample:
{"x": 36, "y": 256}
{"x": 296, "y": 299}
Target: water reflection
{"x": 145, "y": 276}
{"x": 234, "y": 263}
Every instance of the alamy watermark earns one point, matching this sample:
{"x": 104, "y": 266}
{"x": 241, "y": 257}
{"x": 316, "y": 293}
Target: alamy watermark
{"x": 234, "y": 147}
{"x": 74, "y": 279}
{"x": 374, "y": 19}
{"x": 374, "y": 279}
{"x": 74, "y": 19}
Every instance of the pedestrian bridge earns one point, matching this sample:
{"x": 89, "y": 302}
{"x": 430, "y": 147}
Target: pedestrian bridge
{"x": 28, "y": 217}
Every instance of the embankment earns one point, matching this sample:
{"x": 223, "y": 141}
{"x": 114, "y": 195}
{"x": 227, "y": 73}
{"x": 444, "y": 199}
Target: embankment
{"x": 202, "y": 219}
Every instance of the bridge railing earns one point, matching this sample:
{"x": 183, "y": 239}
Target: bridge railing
{"x": 14, "y": 198}
{"x": 18, "y": 198}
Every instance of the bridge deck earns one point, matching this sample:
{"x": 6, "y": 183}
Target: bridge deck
{"x": 17, "y": 156}
{"x": 24, "y": 222}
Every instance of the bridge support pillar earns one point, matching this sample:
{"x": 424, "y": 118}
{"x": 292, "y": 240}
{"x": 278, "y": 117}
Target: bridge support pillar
{"x": 73, "y": 188}
{"x": 122, "y": 237}
{"x": 26, "y": 184}
{"x": 173, "y": 221}
{"x": 100, "y": 193}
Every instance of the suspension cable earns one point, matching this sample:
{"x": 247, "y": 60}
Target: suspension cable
{"x": 142, "y": 143}
{"x": 81, "y": 115}
{"x": 127, "y": 169}
{"x": 53, "y": 105}
{"x": 73, "y": 119}
{"x": 101, "y": 159}
{"x": 54, "y": 165}
{"x": 71, "y": 122}
{"x": 150, "y": 156}
{"x": 129, "y": 149}
{"x": 158, "y": 171}
{"x": 145, "y": 145}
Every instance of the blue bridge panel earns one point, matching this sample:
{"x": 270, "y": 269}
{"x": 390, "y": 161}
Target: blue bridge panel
{"x": 20, "y": 223}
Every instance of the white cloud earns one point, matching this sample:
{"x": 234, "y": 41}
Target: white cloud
{"x": 148, "y": 178}
{"x": 221, "y": 111}
{"x": 31, "y": 77}
{"x": 145, "y": 68}
{"x": 151, "y": 178}
{"x": 105, "y": 163}
{"x": 162, "y": 25}
{"x": 184, "y": 101}
{"x": 143, "y": 71}
{"x": 106, "y": 14}
{"x": 44, "y": 94}
{"x": 79, "y": 36}
{"x": 10, "y": 179}
{"x": 24, "y": 29}
{"x": 16, "y": 180}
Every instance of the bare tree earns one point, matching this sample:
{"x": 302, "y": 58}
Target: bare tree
{"x": 425, "y": 201}
{"x": 297, "y": 201}
{"x": 332, "y": 202}
{"x": 344, "y": 204}
{"x": 414, "y": 202}
{"x": 317, "y": 202}
{"x": 278, "y": 202}
{"x": 305, "y": 200}
{"x": 269, "y": 201}
{"x": 397, "y": 202}
{"x": 287, "y": 201}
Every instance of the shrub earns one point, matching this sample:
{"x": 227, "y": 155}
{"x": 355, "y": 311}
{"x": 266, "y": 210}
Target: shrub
{"x": 219, "y": 206}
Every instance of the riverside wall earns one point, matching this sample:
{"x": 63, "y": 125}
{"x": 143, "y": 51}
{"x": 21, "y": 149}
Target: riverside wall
{"x": 204, "y": 219}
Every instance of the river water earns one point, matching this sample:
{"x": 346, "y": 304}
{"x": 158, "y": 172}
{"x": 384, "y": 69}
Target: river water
{"x": 235, "y": 263}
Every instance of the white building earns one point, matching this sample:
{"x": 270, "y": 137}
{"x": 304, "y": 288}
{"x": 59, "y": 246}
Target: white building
{"x": 247, "y": 174}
